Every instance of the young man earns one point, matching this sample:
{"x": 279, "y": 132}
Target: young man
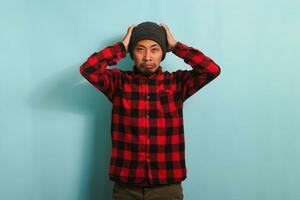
{"x": 148, "y": 149}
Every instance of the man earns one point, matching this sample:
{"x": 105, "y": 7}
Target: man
{"x": 147, "y": 133}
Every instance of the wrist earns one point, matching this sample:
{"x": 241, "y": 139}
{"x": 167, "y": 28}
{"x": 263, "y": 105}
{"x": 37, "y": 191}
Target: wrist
{"x": 172, "y": 47}
{"x": 125, "y": 45}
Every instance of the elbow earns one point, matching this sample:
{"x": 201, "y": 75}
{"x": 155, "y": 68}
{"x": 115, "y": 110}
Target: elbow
{"x": 214, "y": 69}
{"x": 218, "y": 70}
{"x": 81, "y": 69}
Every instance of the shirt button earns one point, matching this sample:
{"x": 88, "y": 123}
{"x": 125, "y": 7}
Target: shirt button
{"x": 148, "y": 116}
{"x": 148, "y": 96}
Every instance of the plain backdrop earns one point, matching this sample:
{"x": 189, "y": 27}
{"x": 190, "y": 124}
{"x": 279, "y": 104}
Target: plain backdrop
{"x": 241, "y": 130}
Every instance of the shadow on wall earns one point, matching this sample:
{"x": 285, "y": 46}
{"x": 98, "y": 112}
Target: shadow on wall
{"x": 68, "y": 91}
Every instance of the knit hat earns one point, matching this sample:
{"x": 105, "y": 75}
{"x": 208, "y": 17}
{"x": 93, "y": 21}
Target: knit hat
{"x": 148, "y": 30}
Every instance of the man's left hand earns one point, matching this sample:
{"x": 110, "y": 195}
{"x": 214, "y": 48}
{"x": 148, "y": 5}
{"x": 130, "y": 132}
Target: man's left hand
{"x": 170, "y": 39}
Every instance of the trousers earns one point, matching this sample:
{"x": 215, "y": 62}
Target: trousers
{"x": 123, "y": 191}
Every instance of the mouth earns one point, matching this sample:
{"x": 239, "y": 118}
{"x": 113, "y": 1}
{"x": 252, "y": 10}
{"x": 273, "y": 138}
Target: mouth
{"x": 148, "y": 66}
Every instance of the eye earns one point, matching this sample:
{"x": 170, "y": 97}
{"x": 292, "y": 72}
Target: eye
{"x": 139, "y": 49}
{"x": 154, "y": 50}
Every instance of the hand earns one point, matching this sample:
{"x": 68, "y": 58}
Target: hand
{"x": 170, "y": 39}
{"x": 127, "y": 37}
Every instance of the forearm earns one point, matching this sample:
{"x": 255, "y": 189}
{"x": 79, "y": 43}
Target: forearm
{"x": 196, "y": 59}
{"x": 204, "y": 69}
{"x": 94, "y": 69}
{"x": 98, "y": 62}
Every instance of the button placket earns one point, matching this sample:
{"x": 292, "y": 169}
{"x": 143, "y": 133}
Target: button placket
{"x": 147, "y": 137}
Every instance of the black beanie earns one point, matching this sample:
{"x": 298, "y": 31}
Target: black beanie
{"x": 148, "y": 30}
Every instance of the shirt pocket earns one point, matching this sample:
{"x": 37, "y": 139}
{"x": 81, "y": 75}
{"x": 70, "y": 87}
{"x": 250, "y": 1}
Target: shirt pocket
{"x": 169, "y": 103}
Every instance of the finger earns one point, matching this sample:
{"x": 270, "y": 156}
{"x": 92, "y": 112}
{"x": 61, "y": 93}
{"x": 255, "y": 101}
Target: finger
{"x": 166, "y": 29}
{"x": 131, "y": 27}
{"x": 164, "y": 26}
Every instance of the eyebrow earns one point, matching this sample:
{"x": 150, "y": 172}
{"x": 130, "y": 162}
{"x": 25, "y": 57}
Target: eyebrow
{"x": 145, "y": 47}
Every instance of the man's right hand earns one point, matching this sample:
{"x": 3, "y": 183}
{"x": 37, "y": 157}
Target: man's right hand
{"x": 127, "y": 37}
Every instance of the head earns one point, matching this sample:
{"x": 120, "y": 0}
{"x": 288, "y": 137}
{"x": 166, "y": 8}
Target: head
{"x": 147, "y": 55}
{"x": 148, "y": 46}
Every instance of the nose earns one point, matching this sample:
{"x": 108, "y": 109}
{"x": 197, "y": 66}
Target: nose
{"x": 147, "y": 55}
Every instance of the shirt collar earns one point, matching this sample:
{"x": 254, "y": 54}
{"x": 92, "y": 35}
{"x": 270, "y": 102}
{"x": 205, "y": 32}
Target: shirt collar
{"x": 139, "y": 74}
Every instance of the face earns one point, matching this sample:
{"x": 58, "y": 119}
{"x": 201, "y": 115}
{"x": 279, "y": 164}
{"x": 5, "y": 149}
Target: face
{"x": 147, "y": 55}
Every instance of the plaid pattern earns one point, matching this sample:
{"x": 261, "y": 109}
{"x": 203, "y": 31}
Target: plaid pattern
{"x": 147, "y": 129}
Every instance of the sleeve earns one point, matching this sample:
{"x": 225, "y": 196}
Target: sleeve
{"x": 204, "y": 69}
{"x": 95, "y": 71}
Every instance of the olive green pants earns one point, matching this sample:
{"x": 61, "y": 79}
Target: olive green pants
{"x": 122, "y": 191}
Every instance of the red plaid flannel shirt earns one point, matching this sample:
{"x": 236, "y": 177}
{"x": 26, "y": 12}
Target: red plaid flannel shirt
{"x": 147, "y": 131}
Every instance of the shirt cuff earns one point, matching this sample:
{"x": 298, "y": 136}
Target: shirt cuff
{"x": 122, "y": 46}
{"x": 178, "y": 46}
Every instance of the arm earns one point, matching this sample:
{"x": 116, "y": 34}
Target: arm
{"x": 94, "y": 69}
{"x": 204, "y": 69}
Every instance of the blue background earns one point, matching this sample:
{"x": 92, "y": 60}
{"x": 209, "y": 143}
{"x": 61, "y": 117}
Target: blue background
{"x": 241, "y": 130}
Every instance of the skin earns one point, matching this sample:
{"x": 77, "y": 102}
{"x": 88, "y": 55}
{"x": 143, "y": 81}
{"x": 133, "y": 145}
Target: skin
{"x": 147, "y": 54}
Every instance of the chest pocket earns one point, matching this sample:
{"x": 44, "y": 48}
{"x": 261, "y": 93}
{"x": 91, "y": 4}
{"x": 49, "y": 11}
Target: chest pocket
{"x": 170, "y": 103}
